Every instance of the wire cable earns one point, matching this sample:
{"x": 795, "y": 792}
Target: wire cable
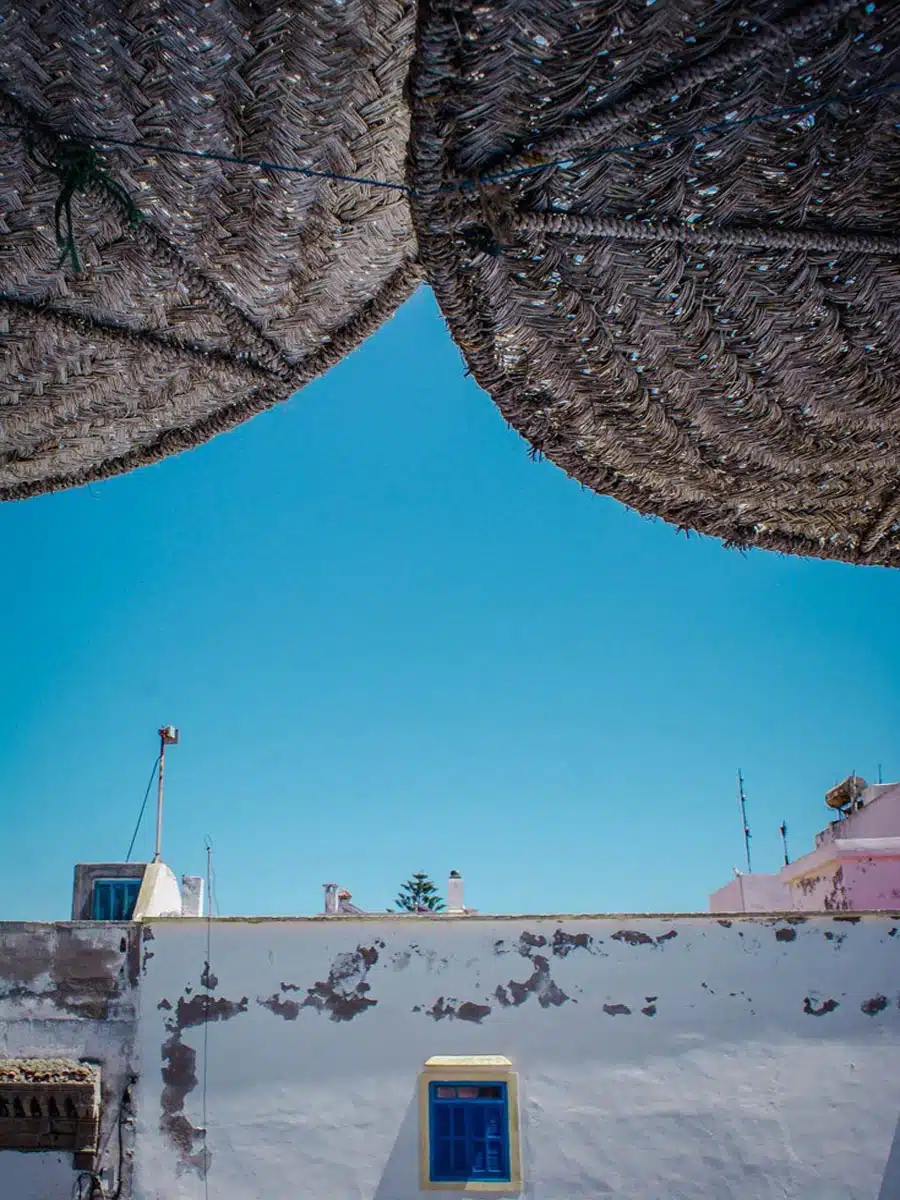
{"x": 93, "y": 1178}
{"x": 720, "y": 127}
{"x": 206, "y": 977}
{"x": 143, "y": 807}
{"x": 119, "y": 1123}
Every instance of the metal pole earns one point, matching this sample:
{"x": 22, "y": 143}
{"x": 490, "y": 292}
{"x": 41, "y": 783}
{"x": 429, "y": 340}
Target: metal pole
{"x": 157, "y": 854}
{"x": 743, "y": 800}
{"x": 783, "y": 828}
{"x": 741, "y": 889}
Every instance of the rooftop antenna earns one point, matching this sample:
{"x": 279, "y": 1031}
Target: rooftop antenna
{"x": 743, "y": 800}
{"x": 782, "y": 829}
{"x": 168, "y": 736}
{"x": 880, "y": 780}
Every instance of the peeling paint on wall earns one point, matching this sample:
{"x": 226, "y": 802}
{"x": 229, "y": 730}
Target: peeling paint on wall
{"x": 179, "y": 1075}
{"x": 636, "y": 937}
{"x": 344, "y": 994}
{"x": 531, "y": 941}
{"x": 202, "y": 1009}
{"x": 837, "y": 896}
{"x": 467, "y": 1011}
{"x": 819, "y": 1010}
{"x": 874, "y": 1005}
{"x": 564, "y": 943}
{"x": 179, "y": 1070}
{"x": 147, "y": 936}
{"x": 539, "y": 984}
{"x": 633, "y": 937}
{"x": 288, "y": 1010}
{"x": 401, "y": 959}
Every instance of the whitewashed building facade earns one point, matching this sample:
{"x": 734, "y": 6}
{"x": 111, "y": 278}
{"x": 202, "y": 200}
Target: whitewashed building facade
{"x": 353, "y": 1057}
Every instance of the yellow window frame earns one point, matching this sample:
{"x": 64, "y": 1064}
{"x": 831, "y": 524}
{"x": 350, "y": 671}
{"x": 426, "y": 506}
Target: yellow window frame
{"x": 487, "y": 1068}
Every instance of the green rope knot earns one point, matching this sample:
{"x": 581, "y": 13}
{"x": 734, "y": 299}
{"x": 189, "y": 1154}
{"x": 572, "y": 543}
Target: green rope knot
{"x": 80, "y": 168}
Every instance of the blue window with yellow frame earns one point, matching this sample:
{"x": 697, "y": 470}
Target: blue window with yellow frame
{"x": 468, "y": 1125}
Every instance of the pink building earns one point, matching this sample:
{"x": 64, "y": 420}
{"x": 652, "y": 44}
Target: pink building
{"x": 855, "y": 865}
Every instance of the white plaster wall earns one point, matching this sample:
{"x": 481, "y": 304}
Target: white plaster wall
{"x": 160, "y": 895}
{"x": 659, "y": 1059}
{"x": 753, "y": 894}
{"x": 68, "y": 991}
{"x": 36, "y": 1176}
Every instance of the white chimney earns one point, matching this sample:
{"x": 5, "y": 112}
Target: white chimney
{"x": 192, "y": 895}
{"x": 455, "y": 893}
{"x": 332, "y": 902}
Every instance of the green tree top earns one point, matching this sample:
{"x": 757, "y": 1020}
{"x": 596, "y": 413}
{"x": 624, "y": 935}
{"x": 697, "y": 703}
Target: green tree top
{"x": 419, "y": 894}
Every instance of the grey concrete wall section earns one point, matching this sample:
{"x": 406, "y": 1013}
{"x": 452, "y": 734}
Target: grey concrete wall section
{"x": 69, "y": 991}
{"x": 658, "y": 1058}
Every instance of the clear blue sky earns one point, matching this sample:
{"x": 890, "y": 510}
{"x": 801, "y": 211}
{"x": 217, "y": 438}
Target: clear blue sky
{"x": 392, "y": 642}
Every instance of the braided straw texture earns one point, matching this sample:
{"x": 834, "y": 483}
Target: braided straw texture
{"x": 239, "y": 285}
{"x": 706, "y": 328}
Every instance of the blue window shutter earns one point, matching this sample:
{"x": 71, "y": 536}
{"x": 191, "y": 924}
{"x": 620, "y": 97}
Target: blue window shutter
{"x": 114, "y": 899}
{"x": 102, "y": 897}
{"x": 469, "y": 1136}
{"x": 442, "y": 1141}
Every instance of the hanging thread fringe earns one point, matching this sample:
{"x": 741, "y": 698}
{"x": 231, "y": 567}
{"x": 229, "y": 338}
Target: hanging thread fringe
{"x": 80, "y": 168}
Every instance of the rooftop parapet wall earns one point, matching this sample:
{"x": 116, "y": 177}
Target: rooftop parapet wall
{"x": 734, "y": 1055}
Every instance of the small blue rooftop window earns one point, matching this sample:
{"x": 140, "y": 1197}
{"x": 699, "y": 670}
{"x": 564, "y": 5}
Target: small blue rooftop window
{"x": 114, "y": 899}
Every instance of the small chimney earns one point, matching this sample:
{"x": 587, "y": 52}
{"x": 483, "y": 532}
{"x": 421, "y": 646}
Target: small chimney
{"x": 332, "y": 901}
{"x": 192, "y": 889}
{"x": 455, "y": 893}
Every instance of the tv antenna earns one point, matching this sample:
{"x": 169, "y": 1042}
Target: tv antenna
{"x": 743, "y": 800}
{"x": 782, "y": 829}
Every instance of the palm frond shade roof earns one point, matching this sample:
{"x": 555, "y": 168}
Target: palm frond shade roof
{"x": 697, "y": 309}
{"x": 209, "y": 290}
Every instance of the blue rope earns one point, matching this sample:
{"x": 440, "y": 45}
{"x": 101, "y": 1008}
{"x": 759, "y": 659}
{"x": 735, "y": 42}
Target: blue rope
{"x": 720, "y": 127}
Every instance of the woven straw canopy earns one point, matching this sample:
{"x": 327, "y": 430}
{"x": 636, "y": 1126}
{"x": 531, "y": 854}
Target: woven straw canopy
{"x": 208, "y": 290}
{"x": 696, "y": 309}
